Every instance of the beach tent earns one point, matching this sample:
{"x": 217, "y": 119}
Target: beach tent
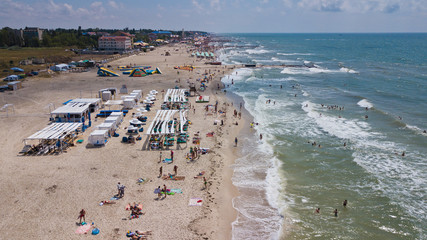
{"x": 11, "y": 78}
{"x": 137, "y": 72}
{"x": 98, "y": 137}
{"x": 16, "y": 69}
{"x": 60, "y": 67}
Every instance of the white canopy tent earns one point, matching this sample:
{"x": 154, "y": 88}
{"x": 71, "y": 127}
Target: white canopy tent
{"x": 175, "y": 96}
{"x": 55, "y": 131}
{"x": 161, "y": 120}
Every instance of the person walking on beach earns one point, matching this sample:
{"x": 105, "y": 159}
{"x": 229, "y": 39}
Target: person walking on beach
{"x": 118, "y": 188}
{"x": 235, "y": 141}
{"x": 172, "y": 155}
{"x": 260, "y": 136}
{"x": 82, "y": 215}
{"x": 159, "y": 192}
{"x": 336, "y": 212}
{"x": 165, "y": 190}
{"x": 175, "y": 169}
{"x": 160, "y": 171}
{"x": 122, "y": 191}
{"x": 205, "y": 182}
{"x": 160, "y": 159}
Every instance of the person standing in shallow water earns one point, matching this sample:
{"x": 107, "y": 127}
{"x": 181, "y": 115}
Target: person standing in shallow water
{"x": 336, "y": 212}
{"x": 345, "y": 203}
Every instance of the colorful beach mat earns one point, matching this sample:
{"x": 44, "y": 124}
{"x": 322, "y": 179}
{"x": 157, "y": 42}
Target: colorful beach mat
{"x": 195, "y": 202}
{"x": 83, "y": 229}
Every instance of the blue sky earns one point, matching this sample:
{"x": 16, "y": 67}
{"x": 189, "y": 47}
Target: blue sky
{"x": 221, "y": 15}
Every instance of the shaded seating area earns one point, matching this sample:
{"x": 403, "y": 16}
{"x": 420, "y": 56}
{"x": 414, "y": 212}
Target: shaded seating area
{"x": 163, "y": 129}
{"x": 54, "y": 138}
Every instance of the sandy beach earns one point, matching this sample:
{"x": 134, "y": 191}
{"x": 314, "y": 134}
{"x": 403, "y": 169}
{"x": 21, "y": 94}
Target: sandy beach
{"x": 43, "y": 195}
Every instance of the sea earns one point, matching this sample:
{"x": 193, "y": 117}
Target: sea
{"x": 344, "y": 120}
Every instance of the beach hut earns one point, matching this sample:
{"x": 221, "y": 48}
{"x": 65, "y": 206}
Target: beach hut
{"x": 98, "y": 137}
{"x": 114, "y": 119}
{"x": 128, "y": 103}
{"x": 106, "y": 95}
{"x": 124, "y": 89}
{"x": 112, "y": 90}
{"x": 119, "y": 116}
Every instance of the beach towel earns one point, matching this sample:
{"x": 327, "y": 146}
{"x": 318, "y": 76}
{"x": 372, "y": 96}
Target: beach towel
{"x": 83, "y": 229}
{"x": 195, "y": 202}
{"x": 176, "y": 190}
{"x": 167, "y": 160}
{"x": 141, "y": 180}
{"x": 114, "y": 198}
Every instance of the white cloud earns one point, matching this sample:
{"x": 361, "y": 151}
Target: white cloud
{"x": 113, "y": 4}
{"x": 197, "y": 5}
{"x": 96, "y": 4}
{"x": 215, "y": 4}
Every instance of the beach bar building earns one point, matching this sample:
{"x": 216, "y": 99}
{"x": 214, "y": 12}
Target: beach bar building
{"x": 72, "y": 112}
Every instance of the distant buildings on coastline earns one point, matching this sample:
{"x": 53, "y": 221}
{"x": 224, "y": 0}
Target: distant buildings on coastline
{"x": 29, "y": 33}
{"x": 114, "y": 43}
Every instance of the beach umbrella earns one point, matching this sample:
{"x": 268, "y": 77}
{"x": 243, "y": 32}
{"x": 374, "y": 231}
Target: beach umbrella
{"x": 138, "y": 114}
{"x": 135, "y": 122}
{"x": 16, "y": 69}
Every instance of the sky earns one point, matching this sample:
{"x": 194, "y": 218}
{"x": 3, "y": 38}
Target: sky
{"x": 221, "y": 16}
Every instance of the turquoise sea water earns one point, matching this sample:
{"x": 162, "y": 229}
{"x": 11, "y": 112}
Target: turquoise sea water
{"x": 373, "y": 88}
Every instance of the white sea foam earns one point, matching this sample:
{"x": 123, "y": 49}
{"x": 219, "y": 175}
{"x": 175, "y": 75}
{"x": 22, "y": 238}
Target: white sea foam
{"x": 398, "y": 179}
{"x": 348, "y": 70}
{"x": 305, "y": 94}
{"x": 339, "y": 127}
{"x": 306, "y": 70}
{"x": 293, "y": 54}
{"x": 365, "y": 104}
{"x": 257, "y": 51}
{"x": 258, "y": 178}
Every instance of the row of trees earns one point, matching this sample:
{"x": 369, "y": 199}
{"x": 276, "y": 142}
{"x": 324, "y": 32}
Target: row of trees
{"x": 66, "y": 37}
{"x": 51, "y": 38}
